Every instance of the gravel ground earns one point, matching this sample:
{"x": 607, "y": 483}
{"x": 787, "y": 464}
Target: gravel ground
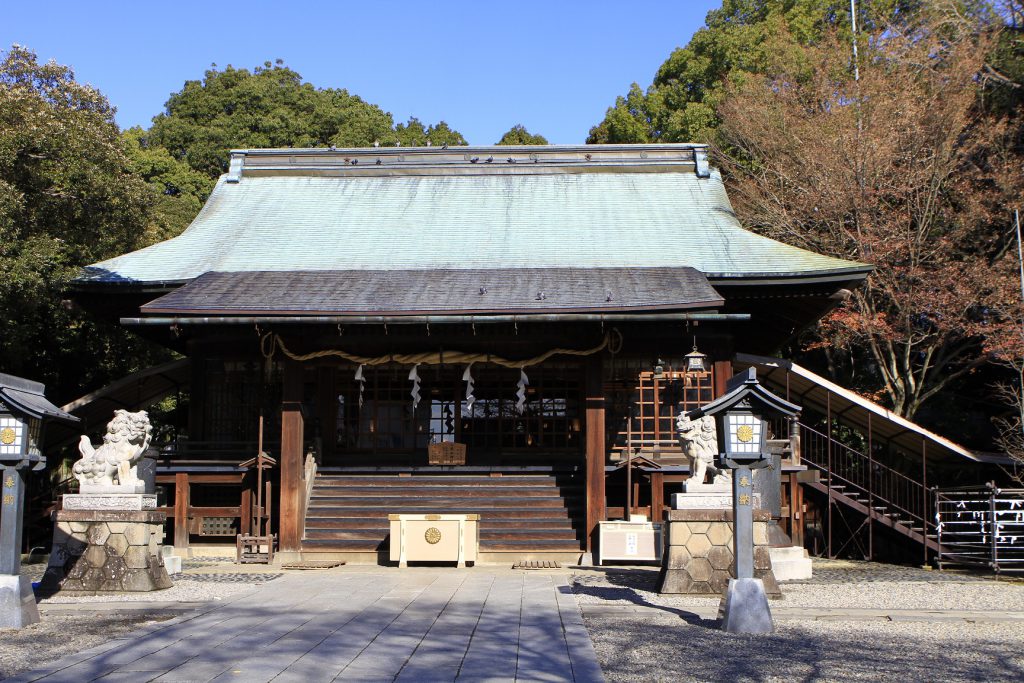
{"x": 669, "y": 649}
{"x": 659, "y": 646}
{"x": 881, "y": 587}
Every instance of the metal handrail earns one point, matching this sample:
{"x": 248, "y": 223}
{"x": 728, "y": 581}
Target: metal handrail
{"x": 896, "y": 493}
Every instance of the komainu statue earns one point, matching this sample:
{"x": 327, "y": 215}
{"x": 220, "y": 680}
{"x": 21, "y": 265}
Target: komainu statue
{"x": 700, "y": 446}
{"x": 112, "y": 466}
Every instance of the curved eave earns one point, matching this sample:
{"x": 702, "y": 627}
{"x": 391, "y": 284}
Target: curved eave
{"x": 858, "y": 272}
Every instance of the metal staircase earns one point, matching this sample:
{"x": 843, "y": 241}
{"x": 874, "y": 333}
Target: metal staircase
{"x": 861, "y": 483}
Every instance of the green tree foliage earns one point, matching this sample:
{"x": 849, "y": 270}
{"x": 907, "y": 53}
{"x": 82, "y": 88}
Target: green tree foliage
{"x": 415, "y": 134}
{"x": 743, "y": 37}
{"x": 271, "y": 106}
{"x": 518, "y": 135}
{"x": 68, "y": 197}
{"x": 178, "y": 189}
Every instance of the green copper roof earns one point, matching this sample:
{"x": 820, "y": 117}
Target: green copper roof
{"x": 497, "y": 213}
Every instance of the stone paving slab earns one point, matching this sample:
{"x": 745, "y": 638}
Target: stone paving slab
{"x": 441, "y": 625}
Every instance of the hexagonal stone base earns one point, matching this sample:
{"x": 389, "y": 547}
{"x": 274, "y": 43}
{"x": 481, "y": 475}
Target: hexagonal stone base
{"x": 699, "y": 557}
{"x": 97, "y": 551}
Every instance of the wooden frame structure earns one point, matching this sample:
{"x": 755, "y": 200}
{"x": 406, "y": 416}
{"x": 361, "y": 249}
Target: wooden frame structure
{"x": 541, "y": 265}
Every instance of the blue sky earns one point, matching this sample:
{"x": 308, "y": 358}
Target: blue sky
{"x": 481, "y": 66}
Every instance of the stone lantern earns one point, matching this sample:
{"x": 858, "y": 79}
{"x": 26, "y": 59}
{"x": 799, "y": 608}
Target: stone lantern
{"x": 741, "y": 417}
{"x": 24, "y": 412}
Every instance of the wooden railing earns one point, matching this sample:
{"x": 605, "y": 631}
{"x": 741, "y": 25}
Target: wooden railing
{"x": 188, "y": 453}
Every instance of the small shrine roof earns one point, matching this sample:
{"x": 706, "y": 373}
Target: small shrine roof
{"x": 29, "y": 397}
{"x": 582, "y": 207}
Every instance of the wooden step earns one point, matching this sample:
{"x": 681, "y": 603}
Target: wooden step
{"x": 519, "y": 513}
{"x": 492, "y": 513}
{"x": 406, "y": 502}
{"x": 528, "y": 546}
{"x": 468, "y": 481}
{"x": 436, "y": 491}
{"x": 567, "y": 535}
{"x": 347, "y": 546}
{"x": 378, "y": 535}
{"x": 346, "y": 522}
{"x": 485, "y": 523}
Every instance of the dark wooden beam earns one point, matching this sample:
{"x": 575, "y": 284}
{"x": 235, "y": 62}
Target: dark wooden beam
{"x": 596, "y": 447}
{"x": 723, "y": 373}
{"x": 181, "y": 505}
{"x": 291, "y": 459}
{"x": 657, "y": 496}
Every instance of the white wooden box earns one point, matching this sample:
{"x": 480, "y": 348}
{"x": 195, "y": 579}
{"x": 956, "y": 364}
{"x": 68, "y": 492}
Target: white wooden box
{"x": 434, "y": 538}
{"x": 639, "y": 541}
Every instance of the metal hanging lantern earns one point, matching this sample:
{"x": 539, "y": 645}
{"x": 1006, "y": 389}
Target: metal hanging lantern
{"x": 696, "y": 362}
{"x": 659, "y": 369}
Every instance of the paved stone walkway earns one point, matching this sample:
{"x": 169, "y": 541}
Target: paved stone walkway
{"x": 420, "y": 625}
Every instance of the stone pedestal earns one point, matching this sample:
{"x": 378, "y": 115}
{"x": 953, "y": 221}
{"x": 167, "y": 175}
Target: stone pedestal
{"x": 109, "y": 501}
{"x": 693, "y": 500}
{"x": 707, "y": 498}
{"x": 744, "y": 608}
{"x": 17, "y": 602}
{"x": 107, "y": 550}
{"x": 699, "y": 558}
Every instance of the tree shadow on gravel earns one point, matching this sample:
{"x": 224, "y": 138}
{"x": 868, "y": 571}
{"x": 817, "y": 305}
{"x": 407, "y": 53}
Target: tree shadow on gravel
{"x": 630, "y": 585}
{"x": 664, "y": 650}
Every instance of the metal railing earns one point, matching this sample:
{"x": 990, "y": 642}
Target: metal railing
{"x": 981, "y": 526}
{"x": 886, "y": 494}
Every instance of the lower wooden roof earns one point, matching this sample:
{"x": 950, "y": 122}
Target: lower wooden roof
{"x": 417, "y": 292}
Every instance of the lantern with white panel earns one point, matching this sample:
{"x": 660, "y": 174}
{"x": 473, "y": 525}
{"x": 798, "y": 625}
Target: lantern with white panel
{"x": 23, "y": 412}
{"x": 741, "y": 415}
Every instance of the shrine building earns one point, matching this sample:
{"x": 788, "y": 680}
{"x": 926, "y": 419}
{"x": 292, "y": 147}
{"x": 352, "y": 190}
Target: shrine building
{"x": 474, "y": 329}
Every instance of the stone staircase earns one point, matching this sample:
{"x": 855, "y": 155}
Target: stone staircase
{"x": 522, "y": 515}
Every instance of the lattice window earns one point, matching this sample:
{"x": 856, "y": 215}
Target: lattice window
{"x": 644, "y": 409}
{"x": 234, "y": 393}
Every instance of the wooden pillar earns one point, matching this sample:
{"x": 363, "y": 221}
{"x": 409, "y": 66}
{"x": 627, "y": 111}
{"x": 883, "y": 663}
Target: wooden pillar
{"x": 291, "y": 459}
{"x": 246, "y": 521}
{"x": 181, "y": 505}
{"x": 723, "y": 373}
{"x": 657, "y": 495}
{"x": 596, "y": 447}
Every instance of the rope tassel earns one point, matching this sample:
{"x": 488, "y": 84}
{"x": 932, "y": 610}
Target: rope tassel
{"x": 414, "y": 376}
{"x": 524, "y": 382}
{"x": 467, "y": 377}
{"x": 362, "y": 384}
